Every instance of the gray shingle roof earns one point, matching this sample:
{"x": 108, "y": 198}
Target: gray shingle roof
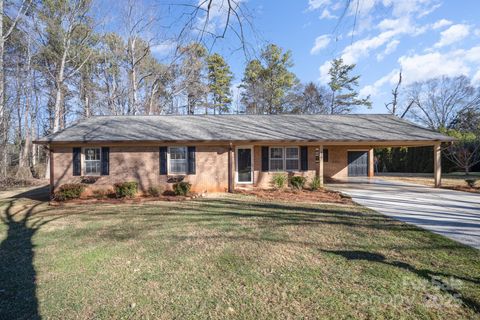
{"x": 361, "y": 127}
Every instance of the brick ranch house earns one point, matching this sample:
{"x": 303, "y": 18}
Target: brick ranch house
{"x": 219, "y": 153}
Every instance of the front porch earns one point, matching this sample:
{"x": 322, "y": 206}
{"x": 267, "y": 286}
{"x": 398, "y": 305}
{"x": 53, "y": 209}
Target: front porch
{"x": 253, "y": 166}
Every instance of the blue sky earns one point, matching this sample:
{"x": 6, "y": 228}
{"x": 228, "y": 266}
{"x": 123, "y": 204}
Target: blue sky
{"x": 425, "y": 38}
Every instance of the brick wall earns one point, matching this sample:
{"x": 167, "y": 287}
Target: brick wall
{"x": 142, "y": 164}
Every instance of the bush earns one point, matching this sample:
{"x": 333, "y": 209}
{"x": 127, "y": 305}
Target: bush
{"x": 315, "y": 183}
{"x": 154, "y": 191}
{"x": 471, "y": 182}
{"x": 126, "y": 189}
{"x": 182, "y": 188}
{"x": 69, "y": 191}
{"x": 279, "y": 180}
{"x": 297, "y": 182}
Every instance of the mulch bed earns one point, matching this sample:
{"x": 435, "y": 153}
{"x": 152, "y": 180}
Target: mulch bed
{"x": 463, "y": 188}
{"x": 121, "y": 200}
{"x": 289, "y": 195}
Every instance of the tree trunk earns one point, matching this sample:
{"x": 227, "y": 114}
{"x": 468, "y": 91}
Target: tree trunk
{"x": 3, "y": 122}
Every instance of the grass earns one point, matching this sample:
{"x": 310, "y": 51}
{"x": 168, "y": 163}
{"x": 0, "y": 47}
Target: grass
{"x": 234, "y": 257}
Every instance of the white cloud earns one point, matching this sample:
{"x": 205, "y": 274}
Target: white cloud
{"x": 441, "y": 23}
{"x": 477, "y": 32}
{"x": 324, "y": 68}
{"x": 422, "y": 67}
{"x": 217, "y": 15}
{"x": 164, "y": 48}
{"x": 453, "y": 34}
{"x": 321, "y": 42}
{"x": 373, "y": 90}
{"x": 315, "y": 4}
{"x": 389, "y": 48}
{"x": 327, "y": 15}
{"x": 436, "y": 64}
{"x": 476, "y": 78}
{"x": 362, "y": 48}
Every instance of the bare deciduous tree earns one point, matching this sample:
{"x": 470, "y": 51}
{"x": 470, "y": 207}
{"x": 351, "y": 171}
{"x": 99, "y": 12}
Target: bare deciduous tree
{"x": 437, "y": 102}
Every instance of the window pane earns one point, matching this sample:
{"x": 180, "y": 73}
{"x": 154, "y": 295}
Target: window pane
{"x": 178, "y": 160}
{"x": 276, "y": 165}
{"x": 276, "y": 153}
{"x": 292, "y": 165}
{"x": 92, "y": 167}
{"x": 178, "y": 166}
{"x": 291, "y": 153}
{"x": 178, "y": 153}
{"x": 92, "y": 154}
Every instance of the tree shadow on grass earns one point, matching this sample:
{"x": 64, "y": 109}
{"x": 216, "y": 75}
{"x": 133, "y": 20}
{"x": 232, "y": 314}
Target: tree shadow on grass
{"x": 429, "y": 275}
{"x": 18, "y": 298}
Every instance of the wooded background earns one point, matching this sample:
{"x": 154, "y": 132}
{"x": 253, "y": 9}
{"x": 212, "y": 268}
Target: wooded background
{"x": 60, "y": 64}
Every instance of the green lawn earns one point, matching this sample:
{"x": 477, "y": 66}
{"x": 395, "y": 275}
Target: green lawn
{"x": 233, "y": 257}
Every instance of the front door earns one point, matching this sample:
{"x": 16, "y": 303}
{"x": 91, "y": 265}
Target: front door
{"x": 244, "y": 165}
{"x": 357, "y": 163}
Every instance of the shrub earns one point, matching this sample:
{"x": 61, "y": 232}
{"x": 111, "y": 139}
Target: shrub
{"x": 471, "y": 182}
{"x": 315, "y": 183}
{"x": 126, "y": 189}
{"x": 182, "y": 188}
{"x": 69, "y": 191}
{"x": 279, "y": 180}
{"x": 297, "y": 182}
{"x": 154, "y": 191}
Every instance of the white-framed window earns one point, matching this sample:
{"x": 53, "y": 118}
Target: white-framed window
{"x": 276, "y": 159}
{"x": 177, "y": 162}
{"x": 292, "y": 159}
{"x": 284, "y": 159}
{"x": 92, "y": 161}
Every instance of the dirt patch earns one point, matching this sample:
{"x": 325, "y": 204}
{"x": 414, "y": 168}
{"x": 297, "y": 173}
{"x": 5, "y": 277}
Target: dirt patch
{"x": 289, "y": 195}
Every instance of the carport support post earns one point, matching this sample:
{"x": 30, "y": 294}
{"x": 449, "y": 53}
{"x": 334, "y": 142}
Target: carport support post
{"x": 320, "y": 164}
{"x": 230, "y": 168}
{"x": 371, "y": 168}
{"x": 437, "y": 158}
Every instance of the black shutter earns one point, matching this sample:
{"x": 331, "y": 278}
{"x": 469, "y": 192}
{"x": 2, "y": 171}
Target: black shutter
{"x": 105, "y": 161}
{"x": 304, "y": 158}
{"x": 325, "y": 155}
{"x": 77, "y": 161}
{"x": 191, "y": 160}
{"x": 163, "y": 160}
{"x": 265, "y": 159}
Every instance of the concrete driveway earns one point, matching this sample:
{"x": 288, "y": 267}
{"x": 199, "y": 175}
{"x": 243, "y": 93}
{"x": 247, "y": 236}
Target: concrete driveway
{"x": 454, "y": 214}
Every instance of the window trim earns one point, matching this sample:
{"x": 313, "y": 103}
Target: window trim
{"x": 252, "y": 152}
{"x": 169, "y": 169}
{"x": 284, "y": 158}
{"x": 84, "y": 165}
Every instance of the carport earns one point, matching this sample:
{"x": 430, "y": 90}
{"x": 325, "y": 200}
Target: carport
{"x": 345, "y": 161}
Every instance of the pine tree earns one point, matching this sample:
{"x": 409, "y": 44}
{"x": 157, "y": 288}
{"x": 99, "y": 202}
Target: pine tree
{"x": 344, "y": 97}
{"x": 268, "y": 81}
{"x": 220, "y": 78}
{"x": 193, "y": 71}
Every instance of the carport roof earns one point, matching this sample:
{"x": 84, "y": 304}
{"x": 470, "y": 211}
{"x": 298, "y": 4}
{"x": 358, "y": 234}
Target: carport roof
{"x": 331, "y": 128}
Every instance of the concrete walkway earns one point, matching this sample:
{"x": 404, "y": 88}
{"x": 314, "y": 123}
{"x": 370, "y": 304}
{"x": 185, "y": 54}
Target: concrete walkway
{"x": 454, "y": 214}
